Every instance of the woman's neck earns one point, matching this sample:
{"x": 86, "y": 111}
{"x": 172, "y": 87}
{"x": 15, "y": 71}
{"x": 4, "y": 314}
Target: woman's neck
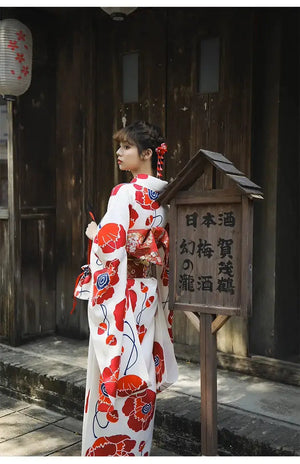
{"x": 147, "y": 171}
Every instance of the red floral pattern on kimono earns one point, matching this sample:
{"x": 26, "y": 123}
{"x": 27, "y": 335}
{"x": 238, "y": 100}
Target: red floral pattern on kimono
{"x": 140, "y": 410}
{"x": 131, "y": 355}
{"x": 117, "y": 445}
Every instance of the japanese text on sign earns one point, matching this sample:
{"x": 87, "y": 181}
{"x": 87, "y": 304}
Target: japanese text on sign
{"x": 209, "y": 243}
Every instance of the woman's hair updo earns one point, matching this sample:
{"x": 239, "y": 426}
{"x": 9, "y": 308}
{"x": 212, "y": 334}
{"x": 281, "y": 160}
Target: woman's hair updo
{"x": 143, "y": 135}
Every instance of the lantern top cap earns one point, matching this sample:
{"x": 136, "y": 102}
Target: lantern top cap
{"x": 195, "y": 168}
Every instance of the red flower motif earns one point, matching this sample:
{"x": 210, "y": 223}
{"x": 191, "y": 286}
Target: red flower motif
{"x": 21, "y": 35}
{"x": 108, "y": 384}
{"x": 25, "y": 70}
{"x": 111, "y": 340}
{"x": 20, "y": 57}
{"x": 116, "y": 445}
{"x": 144, "y": 288}
{"x": 131, "y": 294}
{"x": 130, "y": 384}
{"x": 141, "y": 329}
{"x": 102, "y": 328}
{"x": 149, "y": 301}
{"x": 112, "y": 416}
{"x": 130, "y": 283}
{"x": 146, "y": 197}
{"x": 159, "y": 361}
{"x": 111, "y": 237}
{"x": 133, "y": 216}
{"x": 13, "y": 45}
{"x": 104, "y": 281}
{"x": 140, "y": 410}
{"x": 116, "y": 189}
{"x": 142, "y": 446}
{"x": 149, "y": 220}
{"x": 12, "y": 71}
{"x": 104, "y": 402}
{"x": 119, "y": 314}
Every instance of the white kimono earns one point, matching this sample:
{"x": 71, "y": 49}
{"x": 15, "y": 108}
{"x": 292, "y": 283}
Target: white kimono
{"x": 131, "y": 355}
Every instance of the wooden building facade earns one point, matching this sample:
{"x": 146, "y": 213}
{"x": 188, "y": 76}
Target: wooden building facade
{"x": 221, "y": 79}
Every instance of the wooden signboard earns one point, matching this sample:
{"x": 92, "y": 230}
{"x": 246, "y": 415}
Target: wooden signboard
{"x": 210, "y": 260}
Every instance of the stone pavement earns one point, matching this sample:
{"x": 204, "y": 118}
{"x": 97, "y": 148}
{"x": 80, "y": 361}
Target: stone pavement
{"x": 256, "y": 417}
{"x": 30, "y": 430}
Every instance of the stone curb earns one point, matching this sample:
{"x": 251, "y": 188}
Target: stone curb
{"x": 60, "y": 387}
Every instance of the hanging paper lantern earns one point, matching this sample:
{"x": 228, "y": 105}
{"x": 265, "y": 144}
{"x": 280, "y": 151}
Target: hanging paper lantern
{"x": 118, "y": 13}
{"x": 15, "y": 57}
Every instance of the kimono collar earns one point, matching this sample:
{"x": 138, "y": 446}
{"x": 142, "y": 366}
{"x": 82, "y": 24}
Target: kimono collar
{"x": 150, "y": 182}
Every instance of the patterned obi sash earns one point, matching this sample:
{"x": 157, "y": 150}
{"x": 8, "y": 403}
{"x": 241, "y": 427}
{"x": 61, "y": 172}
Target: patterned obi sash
{"x": 142, "y": 249}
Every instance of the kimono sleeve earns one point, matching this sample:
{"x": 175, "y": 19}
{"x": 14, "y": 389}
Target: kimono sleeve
{"x": 109, "y": 246}
{"x": 107, "y": 307}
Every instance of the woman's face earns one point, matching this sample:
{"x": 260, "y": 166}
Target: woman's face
{"x": 129, "y": 158}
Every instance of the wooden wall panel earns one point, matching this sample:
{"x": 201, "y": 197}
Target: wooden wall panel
{"x": 79, "y": 173}
{"x": 4, "y": 275}
{"x": 37, "y": 275}
{"x": 218, "y": 121}
{"x": 34, "y": 133}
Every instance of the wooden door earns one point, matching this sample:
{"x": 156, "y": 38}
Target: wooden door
{"x": 209, "y": 110}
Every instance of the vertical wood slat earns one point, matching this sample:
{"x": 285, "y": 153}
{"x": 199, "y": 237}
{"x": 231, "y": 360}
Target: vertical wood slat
{"x": 38, "y": 274}
{"x": 246, "y": 256}
{"x": 208, "y": 367}
{"x": 14, "y": 280}
{"x": 173, "y": 245}
{"x": 4, "y": 279}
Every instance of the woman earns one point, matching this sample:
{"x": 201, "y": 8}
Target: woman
{"x": 131, "y": 355}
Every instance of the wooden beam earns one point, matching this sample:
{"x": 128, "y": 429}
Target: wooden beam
{"x": 218, "y": 323}
{"x": 194, "y": 319}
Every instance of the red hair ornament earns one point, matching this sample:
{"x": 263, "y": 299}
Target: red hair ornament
{"x": 161, "y": 150}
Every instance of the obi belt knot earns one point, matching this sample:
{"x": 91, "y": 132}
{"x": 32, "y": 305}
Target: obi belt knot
{"x": 142, "y": 248}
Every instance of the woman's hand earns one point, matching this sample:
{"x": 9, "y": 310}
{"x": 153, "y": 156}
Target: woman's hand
{"x": 91, "y": 230}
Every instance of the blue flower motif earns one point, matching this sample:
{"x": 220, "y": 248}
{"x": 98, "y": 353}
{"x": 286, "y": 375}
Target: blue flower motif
{"x": 152, "y": 194}
{"x": 102, "y": 281}
{"x": 146, "y": 408}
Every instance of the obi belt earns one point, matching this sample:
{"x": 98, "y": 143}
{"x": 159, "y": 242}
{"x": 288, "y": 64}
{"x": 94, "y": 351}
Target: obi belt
{"x": 142, "y": 247}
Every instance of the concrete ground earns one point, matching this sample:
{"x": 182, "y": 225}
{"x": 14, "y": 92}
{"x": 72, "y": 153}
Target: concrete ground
{"x": 30, "y": 430}
{"x": 255, "y": 416}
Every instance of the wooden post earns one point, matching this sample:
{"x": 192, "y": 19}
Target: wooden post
{"x": 208, "y": 366}
{"x": 14, "y": 237}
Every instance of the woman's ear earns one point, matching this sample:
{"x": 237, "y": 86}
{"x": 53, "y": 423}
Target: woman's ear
{"x": 146, "y": 154}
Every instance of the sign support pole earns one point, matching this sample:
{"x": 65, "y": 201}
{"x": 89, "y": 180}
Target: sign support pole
{"x": 208, "y": 366}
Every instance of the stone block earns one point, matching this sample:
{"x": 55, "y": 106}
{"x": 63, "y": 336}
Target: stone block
{"x": 41, "y": 442}
{"x": 16, "y": 424}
